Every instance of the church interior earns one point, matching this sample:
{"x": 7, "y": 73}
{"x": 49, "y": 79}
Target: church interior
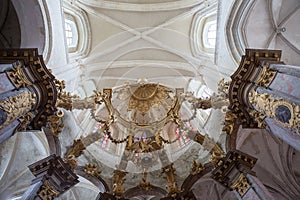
{"x": 149, "y": 99}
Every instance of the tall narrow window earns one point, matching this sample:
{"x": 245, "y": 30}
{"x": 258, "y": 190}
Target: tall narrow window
{"x": 209, "y": 34}
{"x": 71, "y": 34}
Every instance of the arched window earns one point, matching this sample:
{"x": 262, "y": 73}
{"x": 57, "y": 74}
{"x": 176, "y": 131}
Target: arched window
{"x": 77, "y": 31}
{"x": 71, "y": 33}
{"x": 209, "y": 34}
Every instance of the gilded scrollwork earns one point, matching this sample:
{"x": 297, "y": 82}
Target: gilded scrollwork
{"x": 229, "y": 122}
{"x": 76, "y": 149}
{"x": 170, "y": 178}
{"x": 70, "y": 101}
{"x": 25, "y": 120}
{"x": 47, "y": 191}
{"x": 146, "y": 96}
{"x": 259, "y": 118}
{"x": 118, "y": 180}
{"x": 223, "y": 86}
{"x": 144, "y": 185}
{"x": 16, "y": 106}
{"x": 284, "y": 112}
{"x": 241, "y": 184}
{"x": 196, "y": 168}
{"x": 54, "y": 122}
{"x": 18, "y": 78}
{"x": 266, "y": 77}
{"x": 149, "y": 145}
{"x": 92, "y": 169}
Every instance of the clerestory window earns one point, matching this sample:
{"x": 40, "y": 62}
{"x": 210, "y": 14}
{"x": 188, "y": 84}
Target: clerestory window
{"x": 71, "y": 33}
{"x": 209, "y": 34}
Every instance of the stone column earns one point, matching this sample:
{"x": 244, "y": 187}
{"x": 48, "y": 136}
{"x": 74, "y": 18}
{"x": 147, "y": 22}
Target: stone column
{"x": 53, "y": 177}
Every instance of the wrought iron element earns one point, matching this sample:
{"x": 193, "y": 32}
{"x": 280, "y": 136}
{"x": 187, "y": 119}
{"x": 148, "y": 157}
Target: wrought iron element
{"x": 170, "y": 178}
{"x": 118, "y": 180}
{"x": 285, "y": 113}
{"x": 16, "y": 106}
{"x": 92, "y": 169}
{"x": 266, "y": 77}
{"x": 197, "y": 168}
{"x": 241, "y": 184}
{"x": 17, "y": 77}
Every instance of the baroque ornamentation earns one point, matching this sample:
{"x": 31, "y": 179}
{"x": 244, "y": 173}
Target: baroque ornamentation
{"x": 146, "y": 96}
{"x": 230, "y": 119}
{"x": 241, "y": 184}
{"x": 16, "y": 106}
{"x": 223, "y": 87}
{"x": 259, "y": 118}
{"x": 18, "y": 78}
{"x": 196, "y": 168}
{"x": 71, "y": 160}
{"x": 266, "y": 77}
{"x": 92, "y": 169}
{"x": 118, "y": 180}
{"x": 144, "y": 146}
{"x": 170, "y": 177}
{"x": 25, "y": 120}
{"x": 47, "y": 191}
{"x": 76, "y": 149}
{"x": 70, "y": 101}
{"x": 144, "y": 185}
{"x": 55, "y": 123}
{"x": 285, "y": 113}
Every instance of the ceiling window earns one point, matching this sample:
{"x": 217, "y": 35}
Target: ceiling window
{"x": 71, "y": 33}
{"x": 209, "y": 34}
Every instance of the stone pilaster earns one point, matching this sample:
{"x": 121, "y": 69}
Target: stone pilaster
{"x": 234, "y": 171}
{"x": 53, "y": 177}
